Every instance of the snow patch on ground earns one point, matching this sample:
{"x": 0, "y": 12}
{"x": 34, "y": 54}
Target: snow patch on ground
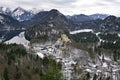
{"x": 104, "y": 65}
{"x": 20, "y": 39}
{"x": 40, "y": 55}
{"x": 80, "y": 31}
{"x": 107, "y": 58}
{"x": 118, "y": 35}
{"x": 88, "y": 70}
{"x": 97, "y": 33}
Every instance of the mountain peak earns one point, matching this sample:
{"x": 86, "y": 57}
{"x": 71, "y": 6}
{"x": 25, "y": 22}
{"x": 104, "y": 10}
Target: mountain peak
{"x": 18, "y": 9}
{"x": 18, "y": 13}
{"x": 110, "y": 18}
{"x": 6, "y": 11}
{"x": 54, "y": 10}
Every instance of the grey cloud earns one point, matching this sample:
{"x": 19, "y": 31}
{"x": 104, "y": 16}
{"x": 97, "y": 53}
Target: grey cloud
{"x": 46, "y": 3}
{"x": 107, "y": 2}
{"x": 24, "y": 2}
{"x": 100, "y": 3}
{"x": 67, "y": 6}
{"x": 112, "y": 1}
{"x": 61, "y": 1}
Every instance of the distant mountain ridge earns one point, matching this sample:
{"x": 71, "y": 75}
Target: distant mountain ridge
{"x": 110, "y": 23}
{"x": 19, "y": 13}
{"x": 99, "y": 16}
{"x": 7, "y": 22}
{"x": 50, "y": 18}
{"x": 80, "y": 18}
{"x": 26, "y": 19}
{"x": 6, "y": 11}
{"x": 83, "y": 17}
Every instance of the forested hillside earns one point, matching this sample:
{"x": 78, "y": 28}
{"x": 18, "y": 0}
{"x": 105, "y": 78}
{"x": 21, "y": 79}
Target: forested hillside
{"x": 17, "y": 64}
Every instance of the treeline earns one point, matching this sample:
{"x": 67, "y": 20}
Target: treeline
{"x": 85, "y": 37}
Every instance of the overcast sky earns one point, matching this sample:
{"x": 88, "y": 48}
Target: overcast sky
{"x": 68, "y": 7}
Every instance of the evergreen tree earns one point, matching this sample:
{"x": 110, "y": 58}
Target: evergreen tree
{"x": 5, "y": 74}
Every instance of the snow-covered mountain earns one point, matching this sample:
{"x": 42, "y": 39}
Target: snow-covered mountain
{"x": 19, "y": 13}
{"x": 6, "y": 11}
